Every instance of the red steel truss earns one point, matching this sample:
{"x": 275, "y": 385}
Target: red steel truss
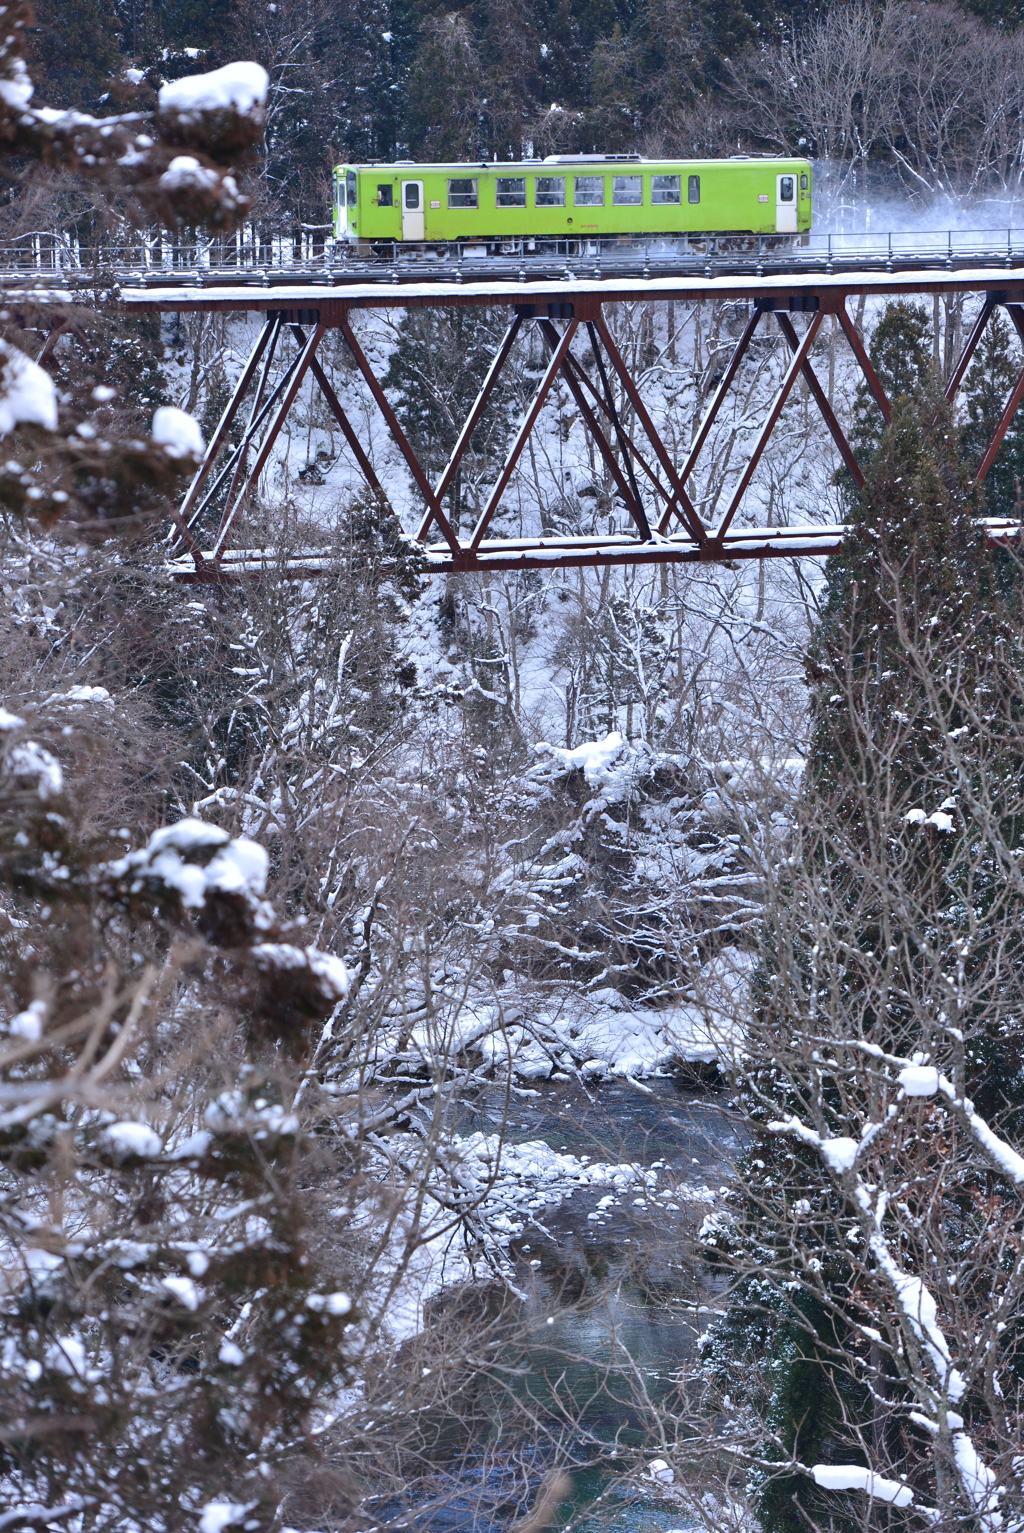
{"x": 664, "y": 524}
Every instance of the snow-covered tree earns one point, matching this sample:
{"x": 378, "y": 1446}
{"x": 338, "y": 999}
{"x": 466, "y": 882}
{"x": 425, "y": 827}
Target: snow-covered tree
{"x": 873, "y": 1239}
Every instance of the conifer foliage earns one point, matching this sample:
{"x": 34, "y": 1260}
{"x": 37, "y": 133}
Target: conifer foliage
{"x": 873, "y": 1243}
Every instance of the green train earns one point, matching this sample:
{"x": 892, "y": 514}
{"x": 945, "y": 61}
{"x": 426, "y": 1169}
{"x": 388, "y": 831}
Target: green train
{"x": 572, "y": 198}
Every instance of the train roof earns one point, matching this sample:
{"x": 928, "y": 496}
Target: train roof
{"x": 568, "y": 160}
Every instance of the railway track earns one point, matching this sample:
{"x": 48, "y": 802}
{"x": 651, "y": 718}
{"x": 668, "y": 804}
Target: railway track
{"x": 54, "y": 266}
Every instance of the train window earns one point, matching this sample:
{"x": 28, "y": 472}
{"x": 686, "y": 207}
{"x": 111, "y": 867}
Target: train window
{"x": 787, "y": 188}
{"x": 339, "y": 191}
{"x": 664, "y": 189}
{"x": 412, "y": 196}
{"x": 589, "y": 192}
{"x": 350, "y": 187}
{"x": 385, "y": 196}
{"x": 549, "y": 192}
{"x": 510, "y": 191}
{"x": 627, "y": 191}
{"x": 804, "y": 183}
{"x": 462, "y": 193}
{"x": 693, "y": 188}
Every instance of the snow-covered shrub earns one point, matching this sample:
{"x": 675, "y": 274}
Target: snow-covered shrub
{"x": 172, "y": 1312}
{"x": 631, "y": 868}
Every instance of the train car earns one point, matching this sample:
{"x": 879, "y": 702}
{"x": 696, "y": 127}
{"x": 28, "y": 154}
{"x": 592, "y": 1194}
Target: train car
{"x": 570, "y": 198}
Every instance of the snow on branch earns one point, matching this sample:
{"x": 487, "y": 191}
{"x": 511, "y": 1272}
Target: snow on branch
{"x": 219, "y": 117}
{"x": 853, "y": 1477}
{"x": 915, "y": 1304}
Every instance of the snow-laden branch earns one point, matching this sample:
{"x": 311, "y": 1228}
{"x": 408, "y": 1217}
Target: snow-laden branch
{"x": 914, "y": 1302}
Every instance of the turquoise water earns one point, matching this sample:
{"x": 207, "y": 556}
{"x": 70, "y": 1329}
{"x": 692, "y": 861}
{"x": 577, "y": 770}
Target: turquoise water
{"x": 606, "y": 1317}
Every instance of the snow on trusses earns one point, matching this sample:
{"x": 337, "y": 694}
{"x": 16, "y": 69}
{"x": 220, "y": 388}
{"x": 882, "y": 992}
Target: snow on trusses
{"x": 239, "y": 87}
{"x": 27, "y": 394}
{"x": 175, "y": 430}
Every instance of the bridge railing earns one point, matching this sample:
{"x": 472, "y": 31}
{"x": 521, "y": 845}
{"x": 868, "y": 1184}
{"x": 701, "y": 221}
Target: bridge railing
{"x": 250, "y": 254}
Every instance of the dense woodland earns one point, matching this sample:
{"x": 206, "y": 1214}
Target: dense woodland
{"x": 929, "y": 95}
{"x": 364, "y": 941}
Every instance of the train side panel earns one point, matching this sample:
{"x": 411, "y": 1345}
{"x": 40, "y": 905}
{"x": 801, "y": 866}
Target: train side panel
{"x": 493, "y": 203}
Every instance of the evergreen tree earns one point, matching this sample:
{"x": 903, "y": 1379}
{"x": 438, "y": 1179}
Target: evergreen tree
{"x": 901, "y": 356}
{"x": 76, "y": 52}
{"x": 896, "y": 882}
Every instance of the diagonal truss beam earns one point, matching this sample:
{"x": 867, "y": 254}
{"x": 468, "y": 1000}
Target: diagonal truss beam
{"x": 1012, "y": 404}
{"x": 588, "y": 386}
{"x": 963, "y": 362}
{"x": 859, "y": 350}
{"x": 1005, "y": 422}
{"x": 404, "y": 445}
{"x": 522, "y": 435}
{"x": 717, "y": 400}
{"x": 828, "y": 414}
{"x": 796, "y": 367}
{"x": 451, "y": 468}
{"x": 270, "y": 329}
{"x": 626, "y": 481}
{"x": 680, "y": 504}
{"x": 233, "y": 506}
{"x": 348, "y": 431}
{"x": 256, "y": 411}
{"x": 237, "y": 454}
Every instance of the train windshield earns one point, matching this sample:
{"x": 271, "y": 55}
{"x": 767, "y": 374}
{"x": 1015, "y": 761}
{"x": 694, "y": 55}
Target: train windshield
{"x": 350, "y": 187}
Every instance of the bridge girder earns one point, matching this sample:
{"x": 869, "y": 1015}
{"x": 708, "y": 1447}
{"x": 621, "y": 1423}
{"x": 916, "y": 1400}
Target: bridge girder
{"x": 666, "y": 526}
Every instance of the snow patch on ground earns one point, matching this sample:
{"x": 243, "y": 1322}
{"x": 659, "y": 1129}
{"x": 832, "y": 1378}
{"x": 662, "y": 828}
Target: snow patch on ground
{"x": 604, "y": 1035}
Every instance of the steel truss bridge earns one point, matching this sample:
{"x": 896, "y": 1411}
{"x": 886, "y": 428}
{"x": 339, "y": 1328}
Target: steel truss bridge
{"x": 664, "y": 525}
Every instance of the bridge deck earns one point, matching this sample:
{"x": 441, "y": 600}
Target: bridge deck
{"x": 791, "y": 290}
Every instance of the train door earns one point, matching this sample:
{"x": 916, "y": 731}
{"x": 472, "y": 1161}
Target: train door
{"x": 785, "y": 205}
{"x": 412, "y": 210}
